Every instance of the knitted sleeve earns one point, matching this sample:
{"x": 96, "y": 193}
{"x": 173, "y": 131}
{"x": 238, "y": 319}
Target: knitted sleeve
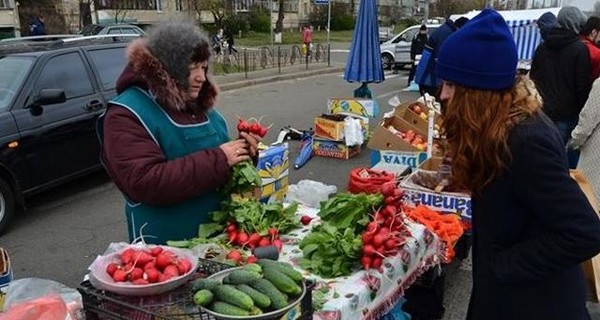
{"x": 589, "y": 118}
{"x": 555, "y": 203}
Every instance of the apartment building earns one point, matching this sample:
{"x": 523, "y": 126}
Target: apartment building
{"x": 9, "y": 19}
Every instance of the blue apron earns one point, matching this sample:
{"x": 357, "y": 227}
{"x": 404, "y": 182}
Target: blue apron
{"x": 178, "y": 221}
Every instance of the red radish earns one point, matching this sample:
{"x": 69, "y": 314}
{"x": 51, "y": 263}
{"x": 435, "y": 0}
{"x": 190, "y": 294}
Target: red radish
{"x": 255, "y": 128}
{"x": 367, "y": 237}
{"x": 368, "y": 250}
{"x": 388, "y": 188}
{"x": 232, "y": 236}
{"x": 376, "y": 263}
{"x": 150, "y": 265}
{"x": 273, "y": 232}
{"x": 242, "y": 238}
{"x": 277, "y": 243}
{"x": 264, "y": 242}
{"x": 365, "y": 261}
{"x": 137, "y": 273}
{"x": 156, "y": 251}
{"x": 251, "y": 259}
{"x": 234, "y": 255}
{"x": 243, "y": 126}
{"x": 378, "y": 240}
{"x": 152, "y": 275}
{"x": 164, "y": 277}
{"x": 263, "y": 132}
{"x": 120, "y": 276}
{"x": 140, "y": 282}
{"x": 172, "y": 270}
{"x": 231, "y": 228}
{"x": 111, "y": 268}
{"x": 398, "y": 193}
{"x": 141, "y": 258}
{"x": 163, "y": 260}
{"x": 391, "y": 200}
{"x": 184, "y": 265}
{"x": 254, "y": 239}
{"x": 127, "y": 255}
{"x": 390, "y": 211}
{"x": 390, "y": 244}
{"x": 372, "y": 226}
{"x": 305, "y": 220}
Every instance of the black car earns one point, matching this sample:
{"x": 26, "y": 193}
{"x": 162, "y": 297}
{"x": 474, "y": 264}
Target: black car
{"x": 51, "y": 94}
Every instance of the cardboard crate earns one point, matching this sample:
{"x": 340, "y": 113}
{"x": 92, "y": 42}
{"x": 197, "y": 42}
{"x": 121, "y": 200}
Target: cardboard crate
{"x": 274, "y": 168}
{"x": 400, "y": 159}
{"x": 6, "y": 273}
{"x": 352, "y": 106}
{"x": 334, "y": 149}
{"x": 330, "y": 127}
{"x": 384, "y": 139}
{"x": 591, "y": 268}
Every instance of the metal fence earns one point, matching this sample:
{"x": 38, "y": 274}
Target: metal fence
{"x": 249, "y": 60}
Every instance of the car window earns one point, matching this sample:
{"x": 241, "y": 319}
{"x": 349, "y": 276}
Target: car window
{"x": 114, "y": 31}
{"x": 409, "y": 35}
{"x": 13, "y": 71}
{"x": 68, "y": 72}
{"x": 128, "y": 31}
{"x": 110, "y": 64}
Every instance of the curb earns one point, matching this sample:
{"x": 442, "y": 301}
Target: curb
{"x": 279, "y": 77}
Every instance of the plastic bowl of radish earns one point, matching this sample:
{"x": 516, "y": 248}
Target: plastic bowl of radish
{"x": 142, "y": 270}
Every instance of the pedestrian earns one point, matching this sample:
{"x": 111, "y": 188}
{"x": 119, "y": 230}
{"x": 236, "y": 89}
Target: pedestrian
{"x": 586, "y": 138}
{"x": 590, "y": 34}
{"x": 230, "y": 42}
{"x": 546, "y": 22}
{"x": 307, "y": 35}
{"x": 416, "y": 48}
{"x": 561, "y": 69}
{"x": 37, "y": 26}
{"x": 532, "y": 224}
{"x": 425, "y": 74}
{"x": 218, "y": 41}
{"x": 164, "y": 144}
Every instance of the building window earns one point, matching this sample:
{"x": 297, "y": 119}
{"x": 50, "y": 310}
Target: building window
{"x": 5, "y": 4}
{"x": 179, "y": 5}
{"x": 159, "y": 5}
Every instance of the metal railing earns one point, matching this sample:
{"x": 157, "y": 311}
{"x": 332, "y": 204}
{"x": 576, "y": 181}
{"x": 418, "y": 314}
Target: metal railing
{"x": 248, "y": 60}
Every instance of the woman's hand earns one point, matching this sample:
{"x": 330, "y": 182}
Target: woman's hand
{"x": 236, "y": 151}
{"x": 253, "y": 141}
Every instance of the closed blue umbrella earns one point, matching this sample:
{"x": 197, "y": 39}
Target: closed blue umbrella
{"x": 306, "y": 147}
{"x": 364, "y": 60}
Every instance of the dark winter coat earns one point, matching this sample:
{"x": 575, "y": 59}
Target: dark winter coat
{"x": 561, "y": 70}
{"x": 436, "y": 39}
{"x": 37, "y": 27}
{"x": 417, "y": 45}
{"x": 533, "y": 226}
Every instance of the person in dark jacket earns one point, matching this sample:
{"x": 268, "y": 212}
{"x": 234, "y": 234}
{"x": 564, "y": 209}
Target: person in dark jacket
{"x": 163, "y": 144}
{"x": 532, "y": 224}
{"x": 429, "y": 82}
{"x": 37, "y": 26}
{"x": 546, "y": 22}
{"x": 561, "y": 70}
{"x": 416, "y": 47}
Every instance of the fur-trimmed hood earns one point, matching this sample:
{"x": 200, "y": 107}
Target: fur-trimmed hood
{"x": 147, "y": 72}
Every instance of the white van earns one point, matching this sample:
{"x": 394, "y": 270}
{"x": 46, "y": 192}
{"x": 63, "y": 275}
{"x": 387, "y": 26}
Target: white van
{"x": 396, "y": 51}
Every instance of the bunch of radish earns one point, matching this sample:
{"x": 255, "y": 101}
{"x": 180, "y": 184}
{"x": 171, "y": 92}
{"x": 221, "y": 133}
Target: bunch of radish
{"x": 239, "y": 258}
{"x": 386, "y": 233}
{"x": 253, "y": 240}
{"x": 146, "y": 266}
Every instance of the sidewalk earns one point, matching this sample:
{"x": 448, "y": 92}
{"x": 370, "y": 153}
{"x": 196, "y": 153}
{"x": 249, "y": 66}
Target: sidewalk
{"x": 233, "y": 81}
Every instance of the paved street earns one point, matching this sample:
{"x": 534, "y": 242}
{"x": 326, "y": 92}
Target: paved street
{"x": 63, "y": 230}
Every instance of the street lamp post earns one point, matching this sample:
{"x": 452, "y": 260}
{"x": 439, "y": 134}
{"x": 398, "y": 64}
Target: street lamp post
{"x": 271, "y": 21}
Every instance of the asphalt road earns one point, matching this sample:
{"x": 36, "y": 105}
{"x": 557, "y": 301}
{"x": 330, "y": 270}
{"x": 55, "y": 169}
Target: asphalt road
{"x": 64, "y": 229}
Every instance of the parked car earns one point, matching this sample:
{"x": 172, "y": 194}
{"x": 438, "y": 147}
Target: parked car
{"x": 396, "y": 51}
{"x": 385, "y": 34}
{"x": 51, "y": 94}
{"x": 100, "y": 29}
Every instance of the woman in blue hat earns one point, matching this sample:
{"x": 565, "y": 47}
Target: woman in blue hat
{"x": 532, "y": 224}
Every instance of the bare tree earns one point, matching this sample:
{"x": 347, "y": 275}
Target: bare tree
{"x": 218, "y": 8}
{"x": 280, "y": 17}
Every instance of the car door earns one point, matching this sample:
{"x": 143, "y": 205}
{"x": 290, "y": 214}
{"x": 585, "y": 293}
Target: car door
{"x": 402, "y": 51}
{"x": 59, "y": 139}
{"x": 108, "y": 64}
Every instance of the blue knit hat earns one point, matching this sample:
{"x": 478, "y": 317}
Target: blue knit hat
{"x": 480, "y": 55}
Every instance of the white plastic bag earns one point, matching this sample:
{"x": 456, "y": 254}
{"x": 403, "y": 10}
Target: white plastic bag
{"x": 353, "y": 132}
{"x": 309, "y": 193}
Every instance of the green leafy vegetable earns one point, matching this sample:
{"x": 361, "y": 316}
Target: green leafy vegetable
{"x": 345, "y": 210}
{"x": 253, "y": 216}
{"x": 244, "y": 178}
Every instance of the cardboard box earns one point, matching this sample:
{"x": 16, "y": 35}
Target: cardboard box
{"x": 274, "y": 169}
{"x": 384, "y": 139}
{"x": 329, "y": 128}
{"x": 391, "y": 158}
{"x": 591, "y": 268}
{"x": 6, "y": 274}
{"x": 445, "y": 202}
{"x": 334, "y": 149}
{"x": 352, "y": 106}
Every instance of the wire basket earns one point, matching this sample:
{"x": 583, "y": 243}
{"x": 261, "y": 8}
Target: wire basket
{"x": 177, "y": 304}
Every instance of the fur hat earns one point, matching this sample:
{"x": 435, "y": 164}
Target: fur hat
{"x": 173, "y": 44}
{"x": 481, "y": 55}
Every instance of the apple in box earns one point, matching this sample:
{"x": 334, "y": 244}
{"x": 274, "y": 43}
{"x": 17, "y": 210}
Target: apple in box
{"x": 416, "y": 108}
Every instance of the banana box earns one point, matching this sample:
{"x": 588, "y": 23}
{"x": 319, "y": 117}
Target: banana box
{"x": 334, "y": 149}
{"x": 274, "y": 169}
{"x": 352, "y": 106}
{"x": 330, "y": 127}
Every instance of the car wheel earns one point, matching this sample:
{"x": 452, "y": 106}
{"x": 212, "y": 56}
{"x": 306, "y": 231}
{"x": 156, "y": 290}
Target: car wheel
{"x": 7, "y": 205}
{"x": 387, "y": 60}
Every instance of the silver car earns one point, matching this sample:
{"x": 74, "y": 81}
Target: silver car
{"x": 396, "y": 51}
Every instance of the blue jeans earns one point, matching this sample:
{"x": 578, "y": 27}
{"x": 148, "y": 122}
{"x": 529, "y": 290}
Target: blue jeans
{"x": 565, "y": 127}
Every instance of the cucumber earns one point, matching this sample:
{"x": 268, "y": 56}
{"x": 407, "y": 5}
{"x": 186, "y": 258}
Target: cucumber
{"x": 200, "y": 284}
{"x": 253, "y": 267}
{"x": 203, "y": 297}
{"x": 278, "y": 299}
{"x": 284, "y": 268}
{"x": 242, "y": 276}
{"x": 228, "y": 309}
{"x": 228, "y": 293}
{"x": 260, "y": 300}
{"x": 282, "y": 282}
